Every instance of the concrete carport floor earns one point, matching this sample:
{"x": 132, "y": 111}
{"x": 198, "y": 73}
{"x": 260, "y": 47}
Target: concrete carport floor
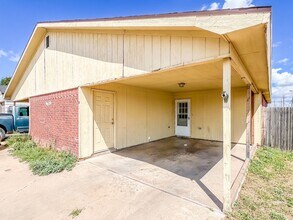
{"x": 173, "y": 178}
{"x": 187, "y": 168}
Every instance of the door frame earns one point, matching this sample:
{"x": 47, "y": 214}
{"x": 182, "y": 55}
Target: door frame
{"x": 114, "y": 115}
{"x": 188, "y": 100}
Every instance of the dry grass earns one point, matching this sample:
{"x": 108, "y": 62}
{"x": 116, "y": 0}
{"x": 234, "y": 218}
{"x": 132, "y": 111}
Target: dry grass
{"x": 268, "y": 189}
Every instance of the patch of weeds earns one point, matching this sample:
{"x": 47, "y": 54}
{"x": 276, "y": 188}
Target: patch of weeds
{"x": 270, "y": 161}
{"x": 247, "y": 201}
{"x": 75, "y": 212}
{"x": 17, "y": 138}
{"x": 290, "y": 202}
{"x": 268, "y": 189}
{"x": 244, "y": 215}
{"x": 277, "y": 216}
{"x": 42, "y": 161}
{"x": 278, "y": 194}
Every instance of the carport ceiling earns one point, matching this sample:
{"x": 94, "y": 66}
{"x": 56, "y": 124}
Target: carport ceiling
{"x": 200, "y": 77}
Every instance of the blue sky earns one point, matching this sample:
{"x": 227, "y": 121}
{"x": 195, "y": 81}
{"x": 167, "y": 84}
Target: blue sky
{"x": 18, "y": 18}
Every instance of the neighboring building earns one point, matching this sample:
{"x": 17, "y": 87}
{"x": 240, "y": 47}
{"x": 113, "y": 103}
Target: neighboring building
{"x": 2, "y": 90}
{"x": 4, "y": 103}
{"x": 113, "y": 83}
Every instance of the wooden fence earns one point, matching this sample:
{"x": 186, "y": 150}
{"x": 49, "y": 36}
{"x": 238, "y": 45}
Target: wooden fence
{"x": 278, "y": 127}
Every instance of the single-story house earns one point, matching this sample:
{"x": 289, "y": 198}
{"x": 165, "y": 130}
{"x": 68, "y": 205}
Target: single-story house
{"x": 107, "y": 84}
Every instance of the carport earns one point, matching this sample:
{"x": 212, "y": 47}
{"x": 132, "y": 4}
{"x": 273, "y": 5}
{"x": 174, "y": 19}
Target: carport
{"x": 187, "y": 123}
{"x": 187, "y": 168}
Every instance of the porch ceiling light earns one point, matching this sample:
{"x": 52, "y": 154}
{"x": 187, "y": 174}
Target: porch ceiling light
{"x": 181, "y": 84}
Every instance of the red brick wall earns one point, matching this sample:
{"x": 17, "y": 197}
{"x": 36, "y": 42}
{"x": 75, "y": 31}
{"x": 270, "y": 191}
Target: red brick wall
{"x": 54, "y": 120}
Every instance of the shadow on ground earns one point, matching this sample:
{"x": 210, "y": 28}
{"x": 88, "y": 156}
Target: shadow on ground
{"x": 189, "y": 158}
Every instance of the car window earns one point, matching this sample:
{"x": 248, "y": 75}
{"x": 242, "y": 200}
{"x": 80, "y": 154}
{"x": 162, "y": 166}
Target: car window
{"x": 23, "y": 111}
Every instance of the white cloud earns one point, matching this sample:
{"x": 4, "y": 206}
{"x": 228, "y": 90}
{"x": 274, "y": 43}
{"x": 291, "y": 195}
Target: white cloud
{"x": 10, "y": 55}
{"x": 276, "y": 44}
{"x": 204, "y": 7}
{"x": 228, "y": 4}
{"x": 14, "y": 57}
{"x": 282, "y": 83}
{"x": 3, "y": 53}
{"x": 237, "y": 4}
{"x": 214, "y": 6}
{"x": 283, "y": 61}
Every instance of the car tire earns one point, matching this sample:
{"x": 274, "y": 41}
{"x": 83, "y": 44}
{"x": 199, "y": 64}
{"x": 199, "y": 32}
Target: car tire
{"x": 2, "y": 134}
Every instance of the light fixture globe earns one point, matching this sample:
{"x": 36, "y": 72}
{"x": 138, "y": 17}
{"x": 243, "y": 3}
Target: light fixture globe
{"x": 181, "y": 84}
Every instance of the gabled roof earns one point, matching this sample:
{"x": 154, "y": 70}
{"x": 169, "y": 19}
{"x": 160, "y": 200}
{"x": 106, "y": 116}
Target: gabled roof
{"x": 174, "y": 14}
{"x": 217, "y": 21}
{"x": 229, "y": 23}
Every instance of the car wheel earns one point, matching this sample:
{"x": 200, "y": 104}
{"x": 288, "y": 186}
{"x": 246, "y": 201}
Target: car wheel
{"x": 2, "y": 134}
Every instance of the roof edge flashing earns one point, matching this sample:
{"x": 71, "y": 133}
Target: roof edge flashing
{"x": 254, "y": 9}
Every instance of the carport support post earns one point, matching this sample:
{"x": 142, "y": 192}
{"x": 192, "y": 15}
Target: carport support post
{"x": 227, "y": 135}
{"x": 248, "y": 121}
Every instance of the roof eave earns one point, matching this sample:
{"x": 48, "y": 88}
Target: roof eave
{"x": 186, "y": 20}
{"x": 36, "y": 35}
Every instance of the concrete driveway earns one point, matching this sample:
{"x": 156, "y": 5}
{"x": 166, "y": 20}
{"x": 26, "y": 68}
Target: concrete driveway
{"x": 168, "y": 179}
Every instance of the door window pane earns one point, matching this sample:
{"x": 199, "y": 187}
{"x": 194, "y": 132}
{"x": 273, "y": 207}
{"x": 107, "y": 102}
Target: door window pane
{"x": 182, "y": 114}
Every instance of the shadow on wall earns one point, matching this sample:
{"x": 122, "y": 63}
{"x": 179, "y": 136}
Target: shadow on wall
{"x": 137, "y": 52}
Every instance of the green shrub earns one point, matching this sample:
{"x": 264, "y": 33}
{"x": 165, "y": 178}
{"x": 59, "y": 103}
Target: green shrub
{"x": 52, "y": 162}
{"x": 17, "y": 138}
{"x": 42, "y": 161}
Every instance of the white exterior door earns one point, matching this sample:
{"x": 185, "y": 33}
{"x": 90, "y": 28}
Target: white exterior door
{"x": 103, "y": 121}
{"x": 182, "y": 117}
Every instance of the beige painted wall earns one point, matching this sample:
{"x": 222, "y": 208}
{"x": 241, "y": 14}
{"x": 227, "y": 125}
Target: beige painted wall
{"x": 206, "y": 114}
{"x": 143, "y": 113}
{"x": 85, "y": 121}
{"x": 257, "y": 118}
{"x": 79, "y": 58}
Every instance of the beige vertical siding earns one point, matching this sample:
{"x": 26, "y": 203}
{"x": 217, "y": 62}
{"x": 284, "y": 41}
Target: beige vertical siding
{"x": 79, "y": 58}
{"x": 206, "y": 114}
{"x": 142, "y": 115}
{"x": 85, "y": 122}
{"x": 257, "y": 118}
